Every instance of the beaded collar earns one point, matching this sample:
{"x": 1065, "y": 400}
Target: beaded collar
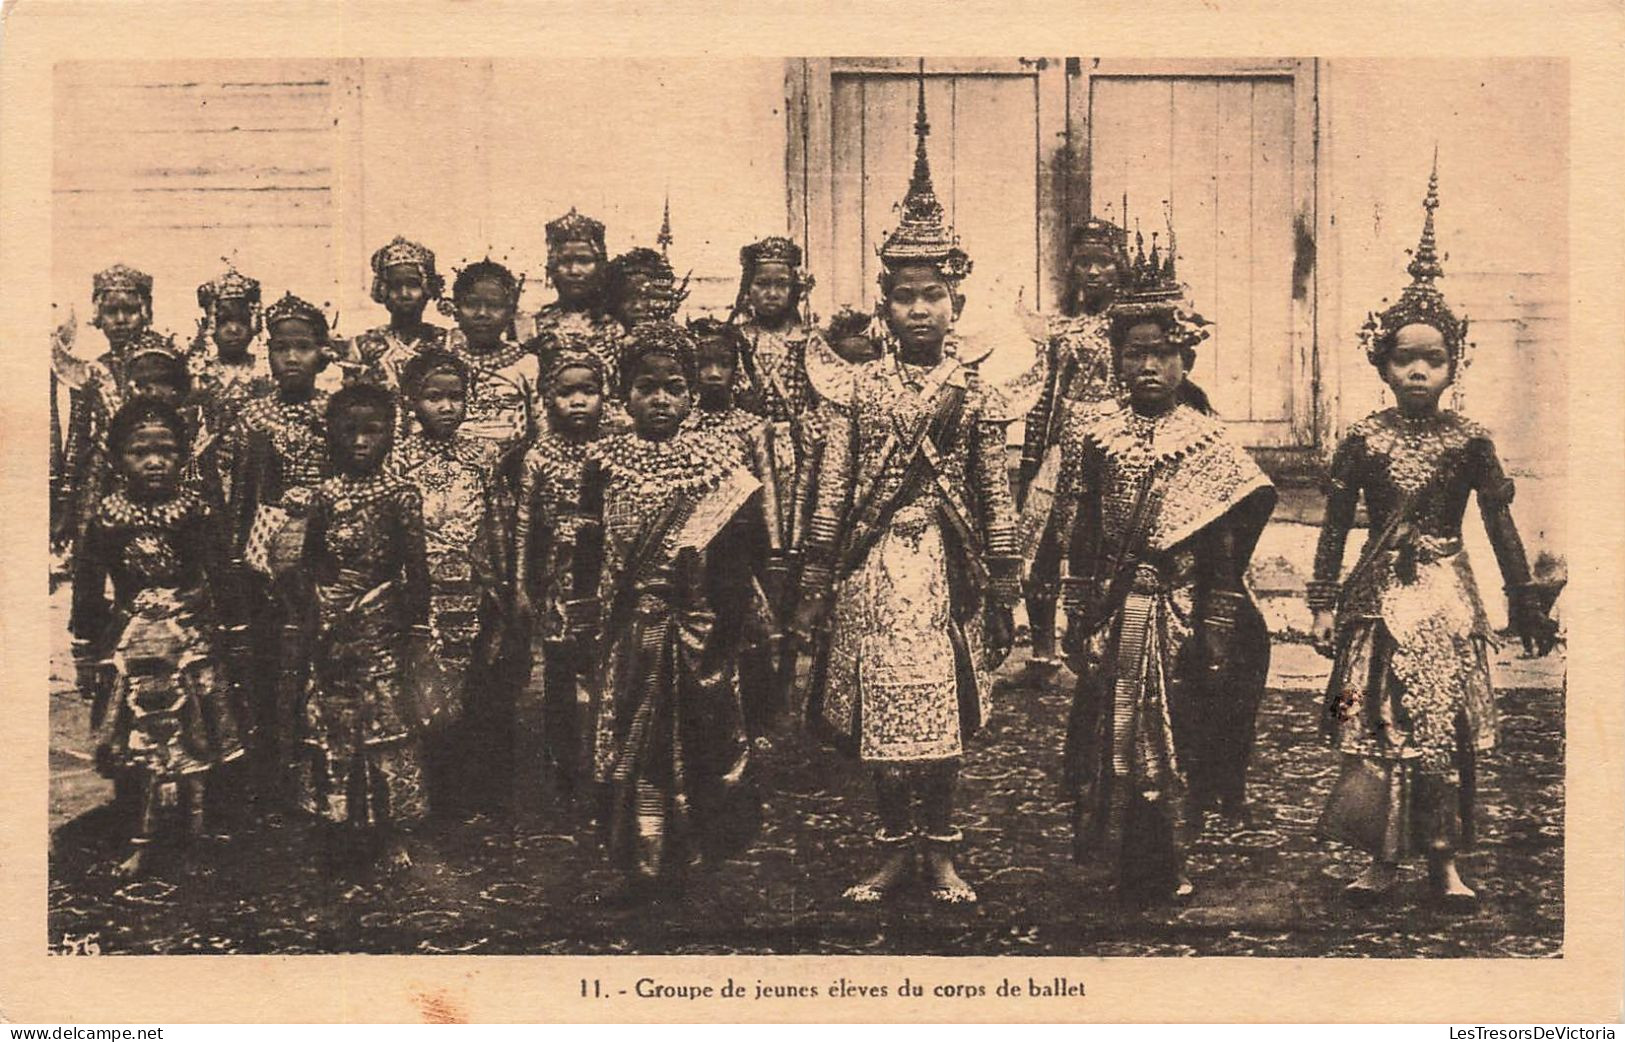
{"x": 349, "y": 493}
{"x": 1136, "y": 442}
{"x": 689, "y": 462}
{"x": 484, "y": 361}
{"x": 119, "y": 509}
{"x": 1415, "y": 445}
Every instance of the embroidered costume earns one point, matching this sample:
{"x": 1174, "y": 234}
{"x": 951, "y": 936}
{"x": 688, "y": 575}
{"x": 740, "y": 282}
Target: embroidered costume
{"x": 166, "y": 707}
{"x": 680, "y": 549}
{"x": 379, "y": 354}
{"x": 1410, "y": 700}
{"x": 369, "y": 581}
{"x": 1160, "y": 513}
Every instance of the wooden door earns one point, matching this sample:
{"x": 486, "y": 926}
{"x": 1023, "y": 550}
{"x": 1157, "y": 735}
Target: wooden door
{"x": 1229, "y": 149}
{"x": 998, "y": 127}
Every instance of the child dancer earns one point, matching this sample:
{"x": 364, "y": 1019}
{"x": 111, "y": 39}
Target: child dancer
{"x": 717, "y": 347}
{"x": 680, "y": 549}
{"x": 225, "y": 381}
{"x": 367, "y": 589}
{"x": 404, "y": 281}
{"x": 163, "y": 709}
{"x": 911, "y": 553}
{"x": 279, "y": 452}
{"x": 463, "y": 515}
{"x": 1410, "y": 703}
{"x": 549, "y": 522}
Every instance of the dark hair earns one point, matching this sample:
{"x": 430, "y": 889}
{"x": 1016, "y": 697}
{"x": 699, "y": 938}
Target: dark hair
{"x": 1382, "y": 346}
{"x": 663, "y": 339}
{"x": 705, "y": 329}
{"x": 888, "y": 280}
{"x": 140, "y": 411}
{"x": 639, "y": 260}
{"x": 1121, "y": 323}
{"x": 421, "y": 366}
{"x": 486, "y": 269}
{"x": 175, "y": 373}
{"x": 358, "y": 396}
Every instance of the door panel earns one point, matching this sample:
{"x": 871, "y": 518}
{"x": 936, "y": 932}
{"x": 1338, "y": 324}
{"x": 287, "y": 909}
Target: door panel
{"x": 1219, "y": 153}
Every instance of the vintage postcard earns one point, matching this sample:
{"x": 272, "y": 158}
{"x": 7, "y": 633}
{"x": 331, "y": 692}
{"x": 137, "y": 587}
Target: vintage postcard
{"x": 909, "y": 514}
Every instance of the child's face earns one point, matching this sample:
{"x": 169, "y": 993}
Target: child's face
{"x": 484, "y": 312}
{"x": 150, "y": 378}
{"x": 233, "y": 329}
{"x": 658, "y": 397}
{"x": 576, "y": 401}
{"x": 150, "y": 461}
{"x": 1418, "y": 368}
{"x": 920, "y": 307}
{"x": 575, "y": 271}
{"x": 1152, "y": 367}
{"x": 295, "y": 353}
{"x": 641, "y": 302}
{"x": 441, "y": 404}
{"x": 716, "y": 372}
{"x": 121, "y": 315}
{"x": 1094, "y": 278}
{"x": 363, "y": 437}
{"x": 857, "y": 349}
{"x": 405, "y": 292}
{"x": 770, "y": 288}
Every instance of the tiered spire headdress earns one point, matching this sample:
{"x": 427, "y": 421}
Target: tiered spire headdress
{"x": 1420, "y": 303}
{"x": 403, "y": 252}
{"x": 1150, "y": 289}
{"x": 922, "y": 235}
{"x": 576, "y": 227}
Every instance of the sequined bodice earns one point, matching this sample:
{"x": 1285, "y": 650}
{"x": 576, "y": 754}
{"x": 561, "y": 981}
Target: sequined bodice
{"x": 1434, "y": 462}
{"x": 644, "y": 478}
{"x": 1085, "y": 357}
{"x": 152, "y": 544}
{"x": 890, "y": 400}
{"x": 781, "y": 365}
{"x": 453, "y": 476}
{"x": 225, "y": 388}
{"x": 363, "y": 515}
{"x": 553, "y": 470}
{"x": 297, "y": 433}
{"x": 502, "y": 391}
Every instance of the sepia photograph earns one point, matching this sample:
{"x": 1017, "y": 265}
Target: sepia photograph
{"x": 809, "y": 506}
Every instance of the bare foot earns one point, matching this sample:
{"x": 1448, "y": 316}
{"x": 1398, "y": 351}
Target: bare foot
{"x": 1371, "y": 884}
{"x": 134, "y": 865}
{"x": 1449, "y": 887}
{"x": 396, "y": 857}
{"x": 947, "y": 886}
{"x": 892, "y": 873}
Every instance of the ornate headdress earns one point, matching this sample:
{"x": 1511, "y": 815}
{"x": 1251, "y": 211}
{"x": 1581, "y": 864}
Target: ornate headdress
{"x": 652, "y": 265}
{"x": 1150, "y": 288}
{"x": 570, "y": 352}
{"x": 152, "y": 342}
{"x": 428, "y": 363}
{"x": 1420, "y": 303}
{"x": 292, "y": 307}
{"x": 120, "y": 278}
{"x": 773, "y": 249}
{"x": 922, "y": 235}
{"x": 576, "y": 227}
{"x": 403, "y": 252}
{"x": 1100, "y": 236}
{"x": 662, "y": 337}
{"x": 463, "y": 279}
{"x": 231, "y": 285}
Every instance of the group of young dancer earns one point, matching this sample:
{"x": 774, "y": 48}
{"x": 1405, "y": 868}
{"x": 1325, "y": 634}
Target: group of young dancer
{"x": 564, "y": 563}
